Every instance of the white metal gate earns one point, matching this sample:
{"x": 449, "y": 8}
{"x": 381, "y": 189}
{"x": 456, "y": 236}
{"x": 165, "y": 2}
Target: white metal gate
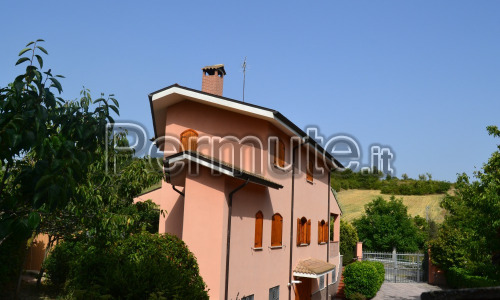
{"x": 399, "y": 267}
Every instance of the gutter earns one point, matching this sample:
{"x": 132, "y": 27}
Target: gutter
{"x": 294, "y": 151}
{"x": 329, "y": 219}
{"x": 228, "y": 246}
{"x": 178, "y": 191}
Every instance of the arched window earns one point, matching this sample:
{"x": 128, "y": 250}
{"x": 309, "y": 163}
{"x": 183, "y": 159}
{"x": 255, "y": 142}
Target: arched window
{"x": 189, "y": 140}
{"x": 277, "y": 230}
{"x": 279, "y": 154}
{"x": 259, "y": 223}
{"x": 303, "y": 231}
{"x": 322, "y": 232}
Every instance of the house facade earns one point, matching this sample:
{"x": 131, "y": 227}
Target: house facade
{"x": 248, "y": 192}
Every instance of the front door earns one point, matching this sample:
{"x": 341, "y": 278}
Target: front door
{"x": 303, "y": 289}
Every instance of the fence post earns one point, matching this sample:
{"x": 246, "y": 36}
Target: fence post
{"x": 395, "y": 260}
{"x": 359, "y": 251}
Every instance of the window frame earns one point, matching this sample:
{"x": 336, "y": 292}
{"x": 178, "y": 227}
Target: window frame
{"x": 277, "y": 230}
{"x": 192, "y": 140}
{"x": 259, "y": 230}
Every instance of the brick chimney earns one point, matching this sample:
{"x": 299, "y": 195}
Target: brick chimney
{"x": 213, "y": 79}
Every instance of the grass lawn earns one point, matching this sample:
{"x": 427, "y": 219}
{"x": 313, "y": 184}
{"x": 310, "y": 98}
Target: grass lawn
{"x": 353, "y": 203}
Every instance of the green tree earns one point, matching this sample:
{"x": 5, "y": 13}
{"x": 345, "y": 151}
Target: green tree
{"x": 46, "y": 144}
{"x": 469, "y": 240}
{"x": 348, "y": 240}
{"x": 386, "y": 224}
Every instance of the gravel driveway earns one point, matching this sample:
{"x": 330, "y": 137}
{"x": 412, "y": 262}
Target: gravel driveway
{"x": 403, "y": 291}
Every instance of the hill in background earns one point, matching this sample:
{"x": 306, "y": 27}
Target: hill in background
{"x": 353, "y": 203}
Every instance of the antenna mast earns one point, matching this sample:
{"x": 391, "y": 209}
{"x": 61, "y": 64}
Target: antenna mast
{"x": 244, "y": 66}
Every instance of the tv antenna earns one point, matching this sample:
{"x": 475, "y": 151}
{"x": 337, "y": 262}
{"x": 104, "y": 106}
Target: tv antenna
{"x": 244, "y": 66}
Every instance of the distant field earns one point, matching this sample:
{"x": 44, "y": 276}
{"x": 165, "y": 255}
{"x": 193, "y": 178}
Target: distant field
{"x": 353, "y": 204}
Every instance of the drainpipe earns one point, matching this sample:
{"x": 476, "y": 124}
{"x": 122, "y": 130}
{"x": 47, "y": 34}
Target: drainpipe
{"x": 294, "y": 152}
{"x": 228, "y": 246}
{"x": 178, "y": 191}
{"x": 329, "y": 218}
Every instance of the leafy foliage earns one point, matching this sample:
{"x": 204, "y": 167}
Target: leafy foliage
{"x": 129, "y": 268}
{"x": 348, "y": 240}
{"x": 390, "y": 185}
{"x": 46, "y": 144}
{"x": 363, "y": 278}
{"x": 469, "y": 240}
{"x": 386, "y": 224}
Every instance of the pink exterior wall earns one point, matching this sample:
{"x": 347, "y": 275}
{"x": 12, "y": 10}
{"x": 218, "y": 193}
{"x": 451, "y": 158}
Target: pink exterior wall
{"x": 200, "y": 218}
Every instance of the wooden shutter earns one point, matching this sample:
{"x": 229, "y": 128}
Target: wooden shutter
{"x": 299, "y": 231}
{"x": 259, "y": 223}
{"x": 310, "y": 166}
{"x": 189, "y": 140}
{"x": 308, "y": 232}
{"x": 281, "y": 154}
{"x": 276, "y": 230}
{"x": 320, "y": 233}
{"x": 325, "y": 232}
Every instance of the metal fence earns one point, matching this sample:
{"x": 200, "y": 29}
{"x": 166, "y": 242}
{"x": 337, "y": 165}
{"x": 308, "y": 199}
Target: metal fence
{"x": 399, "y": 267}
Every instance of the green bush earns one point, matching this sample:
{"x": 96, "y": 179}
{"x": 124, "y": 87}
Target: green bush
{"x": 138, "y": 265}
{"x": 12, "y": 252}
{"x": 380, "y": 271}
{"x": 461, "y": 278}
{"x": 362, "y": 277}
{"x": 348, "y": 240}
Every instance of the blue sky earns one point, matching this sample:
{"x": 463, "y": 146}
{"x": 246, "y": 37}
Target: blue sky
{"x": 422, "y": 77}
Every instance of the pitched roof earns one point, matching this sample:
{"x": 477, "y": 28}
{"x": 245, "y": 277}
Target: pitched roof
{"x": 170, "y": 95}
{"x": 312, "y": 268}
{"x": 220, "y": 166}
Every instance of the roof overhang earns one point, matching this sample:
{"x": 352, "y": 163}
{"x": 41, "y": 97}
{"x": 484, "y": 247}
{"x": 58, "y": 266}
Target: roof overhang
{"x": 213, "y": 164}
{"x": 312, "y": 268}
{"x": 173, "y": 94}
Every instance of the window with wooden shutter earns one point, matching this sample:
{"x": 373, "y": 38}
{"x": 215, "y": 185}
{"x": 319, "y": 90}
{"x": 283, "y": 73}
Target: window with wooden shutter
{"x": 299, "y": 231}
{"x": 277, "y": 230}
{"x": 189, "y": 140}
{"x": 308, "y": 232}
{"x": 325, "y": 232}
{"x": 259, "y": 223}
{"x": 302, "y": 235}
{"x": 279, "y": 154}
{"x": 320, "y": 233}
{"x": 310, "y": 168}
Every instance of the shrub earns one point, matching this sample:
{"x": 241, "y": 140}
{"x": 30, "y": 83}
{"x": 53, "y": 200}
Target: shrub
{"x": 348, "y": 240}
{"x": 363, "y": 278}
{"x": 461, "y": 278}
{"x": 380, "y": 271}
{"x": 12, "y": 252}
{"x": 138, "y": 265}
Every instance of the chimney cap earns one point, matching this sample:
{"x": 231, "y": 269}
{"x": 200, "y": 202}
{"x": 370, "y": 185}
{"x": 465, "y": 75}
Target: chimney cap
{"x": 219, "y": 67}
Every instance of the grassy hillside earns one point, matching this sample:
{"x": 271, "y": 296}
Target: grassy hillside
{"x": 353, "y": 203}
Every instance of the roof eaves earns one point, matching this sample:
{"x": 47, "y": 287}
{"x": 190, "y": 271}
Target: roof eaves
{"x": 235, "y": 172}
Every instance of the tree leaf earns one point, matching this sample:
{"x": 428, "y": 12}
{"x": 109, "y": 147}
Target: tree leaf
{"x": 56, "y": 83}
{"x": 24, "y": 51}
{"x": 40, "y": 40}
{"x": 30, "y": 43}
{"x": 40, "y": 60}
{"x": 60, "y": 76}
{"x": 42, "y": 49}
{"x": 21, "y": 60}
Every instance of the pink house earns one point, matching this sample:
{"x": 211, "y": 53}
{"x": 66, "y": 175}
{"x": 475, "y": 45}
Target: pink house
{"x": 248, "y": 192}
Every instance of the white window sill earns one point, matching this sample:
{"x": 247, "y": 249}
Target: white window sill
{"x": 309, "y": 181}
{"x": 303, "y": 245}
{"x": 322, "y": 243}
{"x": 257, "y": 249}
{"x": 275, "y": 247}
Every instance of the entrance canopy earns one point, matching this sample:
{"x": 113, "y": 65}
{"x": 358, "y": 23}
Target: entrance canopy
{"x": 312, "y": 268}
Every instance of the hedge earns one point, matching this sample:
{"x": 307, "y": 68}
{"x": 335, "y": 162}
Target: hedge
{"x": 365, "y": 277}
{"x": 461, "y": 278}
